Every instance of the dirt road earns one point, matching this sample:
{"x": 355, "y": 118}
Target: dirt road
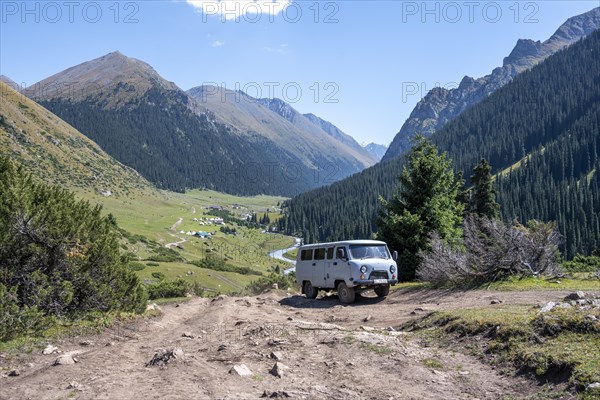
{"x": 326, "y": 351}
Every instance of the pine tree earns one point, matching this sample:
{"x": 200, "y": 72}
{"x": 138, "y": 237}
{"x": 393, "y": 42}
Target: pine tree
{"x": 427, "y": 202}
{"x": 483, "y": 202}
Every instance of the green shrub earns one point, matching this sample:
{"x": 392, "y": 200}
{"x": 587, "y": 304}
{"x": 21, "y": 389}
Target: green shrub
{"x": 136, "y": 266}
{"x": 283, "y": 282}
{"x": 152, "y": 264}
{"x": 158, "y": 275}
{"x": 218, "y": 264}
{"x": 60, "y": 256}
{"x": 197, "y": 289}
{"x": 162, "y": 254}
{"x": 582, "y": 264}
{"x": 164, "y": 289}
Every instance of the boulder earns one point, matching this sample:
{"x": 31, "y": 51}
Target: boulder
{"x": 241, "y": 370}
{"x": 547, "y": 307}
{"x": 576, "y": 296}
{"x": 50, "y": 349}
{"x": 278, "y": 370}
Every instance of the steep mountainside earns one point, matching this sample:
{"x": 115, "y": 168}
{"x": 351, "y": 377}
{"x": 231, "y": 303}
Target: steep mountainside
{"x": 376, "y": 150}
{"x": 338, "y": 134}
{"x": 151, "y": 125}
{"x": 441, "y": 105}
{"x": 56, "y": 152}
{"x": 540, "y": 132}
{"x": 286, "y": 127}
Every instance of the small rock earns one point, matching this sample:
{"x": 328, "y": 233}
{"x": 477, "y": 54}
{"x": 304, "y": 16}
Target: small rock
{"x": 547, "y": 307}
{"x": 592, "y": 386}
{"x": 495, "y": 301}
{"x": 277, "y": 355}
{"x": 278, "y": 370}
{"x": 86, "y": 343}
{"x": 67, "y": 358}
{"x": 290, "y": 318}
{"x": 163, "y": 357}
{"x": 49, "y": 349}
{"x": 108, "y": 344}
{"x": 591, "y": 317}
{"x": 14, "y": 372}
{"x": 564, "y": 305}
{"x": 221, "y": 347}
{"x": 463, "y": 372}
{"x": 152, "y": 306}
{"x": 275, "y": 286}
{"x": 367, "y": 318}
{"x": 576, "y": 296}
{"x": 390, "y": 329}
{"x": 367, "y": 328}
{"x": 75, "y": 386}
{"x": 241, "y": 370}
{"x": 188, "y": 335}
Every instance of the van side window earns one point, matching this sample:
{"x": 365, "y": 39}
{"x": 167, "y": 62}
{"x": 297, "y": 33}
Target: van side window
{"x": 330, "y": 253}
{"x": 340, "y": 253}
{"x": 320, "y": 253}
{"x": 306, "y": 255}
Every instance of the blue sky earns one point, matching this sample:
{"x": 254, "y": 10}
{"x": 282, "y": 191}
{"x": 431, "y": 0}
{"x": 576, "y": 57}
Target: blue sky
{"x": 363, "y": 65}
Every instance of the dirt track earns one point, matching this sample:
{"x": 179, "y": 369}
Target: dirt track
{"x": 326, "y": 347}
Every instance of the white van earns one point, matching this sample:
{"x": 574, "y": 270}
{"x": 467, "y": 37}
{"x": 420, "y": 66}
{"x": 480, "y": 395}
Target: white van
{"x": 350, "y": 266}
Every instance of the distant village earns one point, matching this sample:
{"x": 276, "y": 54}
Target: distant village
{"x": 217, "y": 220}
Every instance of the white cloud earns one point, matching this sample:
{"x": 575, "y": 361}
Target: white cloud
{"x": 281, "y": 49}
{"x": 233, "y": 9}
{"x": 217, "y": 43}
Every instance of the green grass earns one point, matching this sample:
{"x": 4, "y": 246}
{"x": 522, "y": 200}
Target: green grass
{"x": 291, "y": 255}
{"x": 432, "y": 363}
{"x": 527, "y": 284}
{"x": 375, "y": 348}
{"x": 545, "y": 345}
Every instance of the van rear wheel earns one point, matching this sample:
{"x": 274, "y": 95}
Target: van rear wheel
{"x": 382, "y": 291}
{"x": 310, "y": 291}
{"x": 347, "y": 295}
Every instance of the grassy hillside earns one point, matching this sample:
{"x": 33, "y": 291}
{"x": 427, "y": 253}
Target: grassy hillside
{"x": 154, "y": 220}
{"x": 56, "y": 152}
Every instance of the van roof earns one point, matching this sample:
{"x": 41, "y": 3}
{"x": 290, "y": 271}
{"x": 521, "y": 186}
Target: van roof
{"x": 341, "y": 243}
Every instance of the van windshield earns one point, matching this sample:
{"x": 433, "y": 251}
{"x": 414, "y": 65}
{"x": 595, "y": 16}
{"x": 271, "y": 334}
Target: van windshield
{"x": 364, "y": 251}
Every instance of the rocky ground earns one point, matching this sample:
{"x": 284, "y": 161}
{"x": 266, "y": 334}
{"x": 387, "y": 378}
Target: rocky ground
{"x": 274, "y": 345}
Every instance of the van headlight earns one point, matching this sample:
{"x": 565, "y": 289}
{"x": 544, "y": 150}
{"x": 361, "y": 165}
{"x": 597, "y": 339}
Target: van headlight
{"x": 392, "y": 269}
{"x": 363, "y": 269}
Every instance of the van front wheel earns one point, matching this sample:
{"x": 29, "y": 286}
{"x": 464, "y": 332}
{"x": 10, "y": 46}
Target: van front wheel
{"x": 382, "y": 291}
{"x": 310, "y": 291}
{"x": 346, "y": 294}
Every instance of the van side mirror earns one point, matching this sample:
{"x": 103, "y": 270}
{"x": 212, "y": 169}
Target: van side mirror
{"x": 395, "y": 255}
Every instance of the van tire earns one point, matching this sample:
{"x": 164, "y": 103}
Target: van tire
{"x": 310, "y": 291}
{"x": 382, "y": 291}
{"x": 347, "y": 295}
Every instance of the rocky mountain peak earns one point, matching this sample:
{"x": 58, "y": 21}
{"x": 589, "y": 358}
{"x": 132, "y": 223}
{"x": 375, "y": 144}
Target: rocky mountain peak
{"x": 97, "y": 76}
{"x": 440, "y": 105}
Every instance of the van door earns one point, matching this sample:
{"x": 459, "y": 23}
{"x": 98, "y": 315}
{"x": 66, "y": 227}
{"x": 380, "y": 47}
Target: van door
{"x": 339, "y": 266}
{"x": 329, "y": 267}
{"x": 319, "y": 273}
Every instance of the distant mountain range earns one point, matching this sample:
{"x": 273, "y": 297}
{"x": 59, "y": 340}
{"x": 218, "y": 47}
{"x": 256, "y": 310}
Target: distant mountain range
{"x": 56, "y": 152}
{"x": 180, "y": 140}
{"x": 376, "y": 150}
{"x": 441, "y": 105}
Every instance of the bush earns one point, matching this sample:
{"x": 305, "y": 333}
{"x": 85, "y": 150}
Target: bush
{"x": 136, "y": 266}
{"x": 583, "y": 264}
{"x": 197, "y": 289}
{"x": 60, "y": 256}
{"x": 164, "y": 289}
{"x": 283, "y": 282}
{"x": 492, "y": 251}
{"x": 217, "y": 264}
{"x": 15, "y": 320}
{"x": 152, "y": 264}
{"x": 158, "y": 275}
{"x": 162, "y": 254}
